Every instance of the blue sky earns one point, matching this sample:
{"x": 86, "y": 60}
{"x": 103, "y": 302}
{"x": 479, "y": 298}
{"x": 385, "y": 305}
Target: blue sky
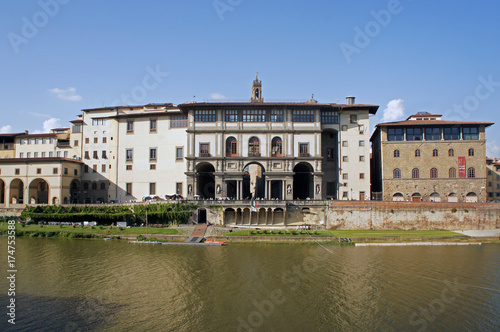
{"x": 61, "y": 56}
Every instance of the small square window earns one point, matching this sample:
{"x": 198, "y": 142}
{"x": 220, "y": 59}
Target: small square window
{"x": 94, "y": 168}
{"x": 87, "y": 140}
{"x": 344, "y": 194}
{"x": 103, "y": 168}
{"x": 345, "y": 176}
{"x": 152, "y": 166}
{"x": 179, "y": 153}
{"x": 130, "y": 126}
{"x": 361, "y": 143}
{"x": 65, "y": 171}
{"x": 354, "y": 118}
{"x": 345, "y": 158}
{"x": 104, "y": 140}
{"x": 55, "y": 170}
{"x": 361, "y": 175}
{"x": 96, "y": 140}
{"x": 344, "y": 127}
{"x": 38, "y": 171}
{"x": 361, "y": 158}
{"x": 129, "y": 167}
{"x": 17, "y": 171}
{"x": 344, "y": 143}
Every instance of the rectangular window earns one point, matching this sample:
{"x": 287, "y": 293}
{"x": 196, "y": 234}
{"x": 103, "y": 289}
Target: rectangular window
{"x": 303, "y": 116}
{"x": 87, "y": 140}
{"x": 65, "y": 171}
{"x": 96, "y": 140}
{"x": 130, "y": 126}
{"x": 345, "y": 176}
{"x": 361, "y": 158}
{"x": 75, "y": 143}
{"x": 37, "y": 140}
{"x": 98, "y": 122}
{"x": 129, "y": 189}
{"x": 51, "y": 154}
{"x": 17, "y": 171}
{"x": 28, "y": 155}
{"x": 152, "y": 154}
{"x": 345, "y": 194}
{"x": 432, "y": 134}
{"x": 344, "y": 143}
{"x": 152, "y": 188}
{"x": 104, "y": 140}
{"x": 330, "y": 153}
{"x": 276, "y": 115}
{"x": 231, "y": 116}
{"x": 303, "y": 149}
{"x": 22, "y": 141}
{"x": 329, "y": 117}
{"x": 178, "y": 121}
{"x": 361, "y": 129}
{"x": 128, "y": 167}
{"x": 86, "y": 169}
{"x": 94, "y": 168}
{"x": 51, "y": 141}
{"x": 44, "y": 141}
{"x": 451, "y": 134}
{"x": 361, "y": 175}
{"x": 35, "y": 155}
{"x": 204, "y": 149}
{"x": 152, "y": 125}
{"x": 21, "y": 155}
{"x": 490, "y": 184}
{"x": 55, "y": 170}
{"x": 178, "y": 187}
{"x": 179, "y": 153}
{"x": 66, "y": 154}
{"x": 204, "y": 116}
{"x": 254, "y": 116}
{"x": 129, "y": 153}
{"x": 470, "y": 133}
{"x": 395, "y": 134}
{"x": 38, "y": 171}
{"x": 86, "y": 154}
{"x": 345, "y": 158}
{"x": 103, "y": 168}
{"x": 361, "y": 143}
{"x": 75, "y": 172}
{"x": 152, "y": 166}
{"x": 96, "y": 155}
{"x": 58, "y": 154}
{"x": 103, "y": 154}
{"x": 76, "y": 129}
{"x": 344, "y": 127}
{"x": 413, "y": 134}
{"x": 354, "y": 118}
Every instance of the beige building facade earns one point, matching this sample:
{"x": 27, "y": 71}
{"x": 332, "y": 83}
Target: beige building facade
{"x": 425, "y": 158}
{"x": 493, "y": 179}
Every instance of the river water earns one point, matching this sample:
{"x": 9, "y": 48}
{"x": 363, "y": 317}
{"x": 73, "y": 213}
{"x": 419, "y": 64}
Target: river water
{"x": 96, "y": 285}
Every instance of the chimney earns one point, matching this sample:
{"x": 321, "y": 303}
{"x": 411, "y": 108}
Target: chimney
{"x": 350, "y": 100}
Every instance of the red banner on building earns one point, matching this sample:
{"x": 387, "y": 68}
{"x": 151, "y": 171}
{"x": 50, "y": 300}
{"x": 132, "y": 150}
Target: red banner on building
{"x": 461, "y": 167}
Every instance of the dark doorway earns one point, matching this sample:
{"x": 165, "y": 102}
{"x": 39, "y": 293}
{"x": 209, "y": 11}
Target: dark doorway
{"x": 206, "y": 181}
{"x": 202, "y": 216}
{"x": 253, "y": 181}
{"x": 303, "y": 181}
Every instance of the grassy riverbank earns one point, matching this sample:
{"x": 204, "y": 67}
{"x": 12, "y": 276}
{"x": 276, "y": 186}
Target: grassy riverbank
{"x": 96, "y": 230}
{"x": 345, "y": 233}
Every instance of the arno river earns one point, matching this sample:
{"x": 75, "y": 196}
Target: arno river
{"x": 97, "y": 285}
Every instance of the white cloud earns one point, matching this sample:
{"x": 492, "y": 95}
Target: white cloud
{"x": 49, "y": 124}
{"x": 492, "y": 149}
{"x": 217, "y": 96}
{"x": 6, "y": 129}
{"x": 395, "y": 110}
{"x": 66, "y": 94}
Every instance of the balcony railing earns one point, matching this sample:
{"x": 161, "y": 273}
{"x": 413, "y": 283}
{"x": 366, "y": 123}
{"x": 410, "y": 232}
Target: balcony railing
{"x": 204, "y": 154}
{"x": 254, "y": 154}
{"x": 304, "y": 154}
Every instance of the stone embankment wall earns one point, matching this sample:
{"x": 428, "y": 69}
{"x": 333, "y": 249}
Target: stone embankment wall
{"x": 412, "y": 216}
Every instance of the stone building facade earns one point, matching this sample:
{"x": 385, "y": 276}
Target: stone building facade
{"x": 493, "y": 179}
{"x": 425, "y": 158}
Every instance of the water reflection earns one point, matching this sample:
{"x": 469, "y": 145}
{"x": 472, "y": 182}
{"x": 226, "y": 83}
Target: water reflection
{"x": 112, "y": 285}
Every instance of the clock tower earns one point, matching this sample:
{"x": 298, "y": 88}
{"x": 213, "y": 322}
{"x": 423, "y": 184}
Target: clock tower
{"x": 257, "y": 90}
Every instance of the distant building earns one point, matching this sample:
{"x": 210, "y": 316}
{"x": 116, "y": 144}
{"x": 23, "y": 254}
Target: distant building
{"x": 493, "y": 179}
{"x": 425, "y": 158}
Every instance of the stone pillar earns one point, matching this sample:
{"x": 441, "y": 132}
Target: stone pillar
{"x": 7, "y": 195}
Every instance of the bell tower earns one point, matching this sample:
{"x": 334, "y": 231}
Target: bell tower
{"x": 257, "y": 90}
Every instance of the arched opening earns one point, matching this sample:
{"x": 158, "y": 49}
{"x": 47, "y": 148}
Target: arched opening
{"x": 303, "y": 181}
{"x": 206, "y": 181}
{"x": 74, "y": 191}
{"x": 55, "y": 201}
{"x": 471, "y": 198}
{"x": 231, "y": 147}
{"x": 434, "y": 197}
{"x": 278, "y": 218}
{"x": 253, "y": 181}
{"x": 398, "y": 197}
{"x": 453, "y": 198}
{"x": 253, "y": 147}
{"x": 2, "y": 192}
{"x": 16, "y": 192}
{"x": 416, "y": 197}
{"x": 229, "y": 217}
{"x": 39, "y": 192}
{"x": 262, "y": 217}
{"x": 277, "y": 147}
{"x": 330, "y": 164}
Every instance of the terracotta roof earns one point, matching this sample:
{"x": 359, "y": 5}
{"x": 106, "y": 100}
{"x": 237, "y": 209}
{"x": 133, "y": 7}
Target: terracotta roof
{"x": 11, "y": 135}
{"x": 371, "y": 108}
{"x": 432, "y": 123}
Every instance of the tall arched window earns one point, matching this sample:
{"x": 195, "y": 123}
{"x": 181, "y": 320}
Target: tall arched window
{"x": 451, "y": 152}
{"x": 94, "y": 186}
{"x": 231, "y": 147}
{"x": 253, "y": 147}
{"x": 434, "y": 173}
{"x": 396, "y": 174}
{"x": 277, "y": 147}
{"x": 415, "y": 173}
{"x": 417, "y": 153}
{"x": 452, "y": 173}
{"x": 85, "y": 186}
{"x": 471, "y": 152}
{"x": 471, "y": 172}
{"x": 435, "y": 153}
{"x": 103, "y": 186}
{"x": 396, "y": 153}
